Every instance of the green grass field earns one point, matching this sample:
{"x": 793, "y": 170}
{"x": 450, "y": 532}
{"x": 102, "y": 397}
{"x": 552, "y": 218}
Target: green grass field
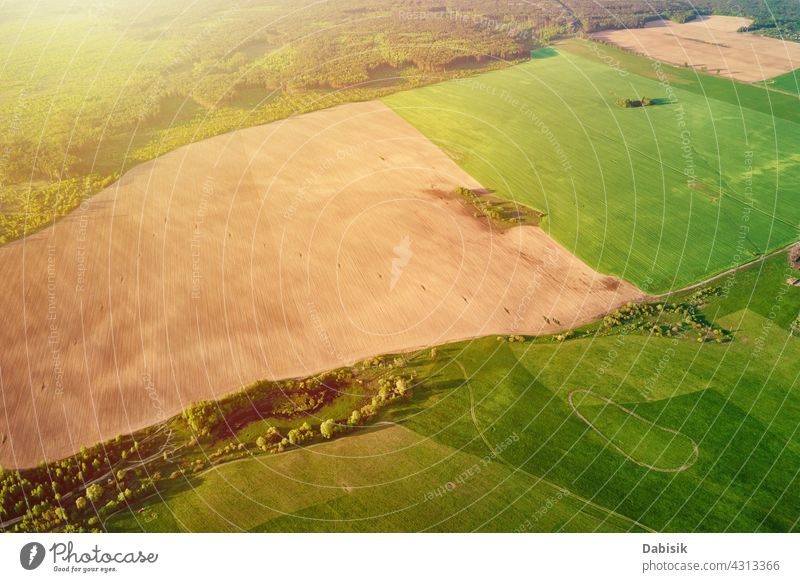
{"x": 637, "y": 438}
{"x": 387, "y": 479}
{"x": 489, "y": 440}
{"x": 664, "y": 195}
{"x": 789, "y": 83}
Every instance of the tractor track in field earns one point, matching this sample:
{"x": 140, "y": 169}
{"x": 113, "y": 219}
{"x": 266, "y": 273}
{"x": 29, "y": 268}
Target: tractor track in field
{"x": 538, "y": 478}
{"x": 722, "y": 275}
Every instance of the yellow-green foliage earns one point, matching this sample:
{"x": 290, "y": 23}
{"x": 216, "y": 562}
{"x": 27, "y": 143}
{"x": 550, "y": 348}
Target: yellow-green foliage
{"x": 202, "y": 416}
{"x": 25, "y": 210}
{"x": 89, "y": 91}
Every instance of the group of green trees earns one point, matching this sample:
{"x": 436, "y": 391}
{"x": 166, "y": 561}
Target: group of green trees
{"x": 773, "y": 17}
{"x": 78, "y": 492}
{"x": 611, "y": 14}
{"x": 71, "y": 494}
{"x": 203, "y": 417}
{"x": 499, "y": 212}
{"x": 643, "y": 102}
{"x": 677, "y": 320}
{"x": 777, "y": 18}
{"x": 390, "y": 388}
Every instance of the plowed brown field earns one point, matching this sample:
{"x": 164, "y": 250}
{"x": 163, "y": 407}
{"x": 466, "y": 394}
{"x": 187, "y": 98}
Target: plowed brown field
{"x": 710, "y": 43}
{"x": 276, "y": 251}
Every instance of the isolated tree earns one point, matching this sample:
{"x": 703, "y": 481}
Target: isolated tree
{"x": 327, "y": 428}
{"x": 261, "y": 442}
{"x": 80, "y": 503}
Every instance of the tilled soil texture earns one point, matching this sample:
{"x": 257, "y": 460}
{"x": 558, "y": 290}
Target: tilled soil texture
{"x": 711, "y": 44}
{"x": 271, "y": 252}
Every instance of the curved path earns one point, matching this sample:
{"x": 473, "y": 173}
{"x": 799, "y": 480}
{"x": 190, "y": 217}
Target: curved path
{"x": 723, "y": 274}
{"x": 692, "y": 458}
{"x": 539, "y": 478}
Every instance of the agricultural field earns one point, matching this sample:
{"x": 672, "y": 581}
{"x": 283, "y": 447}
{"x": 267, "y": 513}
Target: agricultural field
{"x": 662, "y": 196}
{"x": 788, "y": 83}
{"x": 710, "y": 43}
{"x": 491, "y": 438}
{"x": 216, "y": 249}
{"x": 399, "y": 266}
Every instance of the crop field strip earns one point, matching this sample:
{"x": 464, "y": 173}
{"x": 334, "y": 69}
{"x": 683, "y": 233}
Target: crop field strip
{"x": 620, "y": 170}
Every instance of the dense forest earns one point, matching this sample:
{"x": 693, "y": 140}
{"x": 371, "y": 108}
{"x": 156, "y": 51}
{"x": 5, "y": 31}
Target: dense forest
{"x": 778, "y": 18}
{"x": 89, "y": 89}
{"x": 593, "y": 15}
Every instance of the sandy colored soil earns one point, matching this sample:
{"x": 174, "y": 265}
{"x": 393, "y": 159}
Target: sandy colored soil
{"x": 712, "y": 44}
{"x": 276, "y": 251}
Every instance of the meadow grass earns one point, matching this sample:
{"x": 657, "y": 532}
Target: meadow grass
{"x": 664, "y": 195}
{"x": 387, "y": 479}
{"x": 788, "y": 82}
{"x": 642, "y": 441}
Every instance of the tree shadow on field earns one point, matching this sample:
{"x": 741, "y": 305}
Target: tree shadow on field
{"x": 423, "y": 396}
{"x": 661, "y": 101}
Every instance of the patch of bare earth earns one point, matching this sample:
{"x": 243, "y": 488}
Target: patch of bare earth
{"x": 272, "y": 252}
{"x": 712, "y": 44}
